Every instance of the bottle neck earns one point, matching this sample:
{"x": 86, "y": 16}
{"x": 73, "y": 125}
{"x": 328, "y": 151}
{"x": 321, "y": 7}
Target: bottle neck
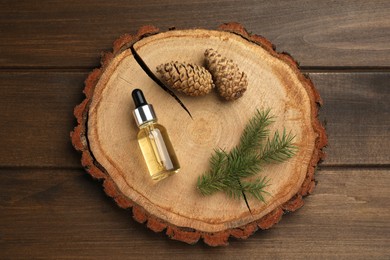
{"x": 148, "y": 123}
{"x": 144, "y": 114}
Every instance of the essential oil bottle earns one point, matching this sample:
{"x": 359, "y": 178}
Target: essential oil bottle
{"x": 153, "y": 140}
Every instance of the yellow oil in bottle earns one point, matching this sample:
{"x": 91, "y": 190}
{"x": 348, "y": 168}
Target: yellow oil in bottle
{"x": 153, "y": 140}
{"x": 157, "y": 150}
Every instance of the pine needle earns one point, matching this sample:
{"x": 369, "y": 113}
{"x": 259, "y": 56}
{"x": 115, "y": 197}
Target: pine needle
{"x": 228, "y": 170}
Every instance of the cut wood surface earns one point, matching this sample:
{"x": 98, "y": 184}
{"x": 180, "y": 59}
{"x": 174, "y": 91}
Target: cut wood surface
{"x": 107, "y": 136}
{"x": 356, "y": 111}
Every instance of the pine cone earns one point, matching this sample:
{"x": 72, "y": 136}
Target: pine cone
{"x": 230, "y": 82}
{"x": 190, "y": 79}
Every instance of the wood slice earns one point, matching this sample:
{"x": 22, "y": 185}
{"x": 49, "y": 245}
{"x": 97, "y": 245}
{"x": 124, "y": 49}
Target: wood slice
{"x": 106, "y": 132}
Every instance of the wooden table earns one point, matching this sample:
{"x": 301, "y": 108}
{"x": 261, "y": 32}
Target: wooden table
{"x": 50, "y": 208}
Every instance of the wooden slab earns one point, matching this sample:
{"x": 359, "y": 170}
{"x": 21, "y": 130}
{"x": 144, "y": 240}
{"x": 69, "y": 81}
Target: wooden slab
{"x": 274, "y": 82}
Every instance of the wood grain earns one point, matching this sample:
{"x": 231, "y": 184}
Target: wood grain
{"x": 46, "y": 50}
{"x": 65, "y": 214}
{"x": 356, "y": 110}
{"x": 317, "y": 33}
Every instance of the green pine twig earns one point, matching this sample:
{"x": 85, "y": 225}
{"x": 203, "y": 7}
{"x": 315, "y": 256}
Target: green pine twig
{"x": 228, "y": 170}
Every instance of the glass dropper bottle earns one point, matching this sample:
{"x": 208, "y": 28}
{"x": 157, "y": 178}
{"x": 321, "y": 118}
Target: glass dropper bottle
{"x": 153, "y": 140}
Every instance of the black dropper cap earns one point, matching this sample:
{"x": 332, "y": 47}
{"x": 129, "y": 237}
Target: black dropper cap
{"x": 138, "y": 98}
{"x": 143, "y": 111}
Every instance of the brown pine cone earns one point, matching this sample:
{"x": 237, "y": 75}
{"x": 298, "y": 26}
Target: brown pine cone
{"x": 190, "y": 79}
{"x": 230, "y": 82}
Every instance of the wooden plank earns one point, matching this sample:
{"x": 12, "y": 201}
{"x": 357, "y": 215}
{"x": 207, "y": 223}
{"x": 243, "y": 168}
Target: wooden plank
{"x": 317, "y": 33}
{"x": 357, "y": 111}
{"x": 36, "y": 117}
{"x": 64, "y": 214}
